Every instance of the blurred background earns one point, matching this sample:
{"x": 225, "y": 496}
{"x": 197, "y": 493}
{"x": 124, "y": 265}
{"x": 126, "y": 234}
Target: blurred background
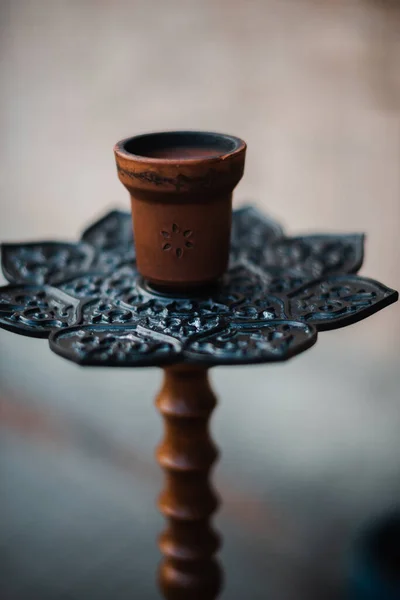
{"x": 310, "y": 449}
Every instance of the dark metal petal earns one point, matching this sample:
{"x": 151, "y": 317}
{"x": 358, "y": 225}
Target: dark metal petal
{"x": 115, "y": 346}
{"x": 339, "y": 301}
{"x": 316, "y": 255}
{"x": 36, "y": 311}
{"x": 255, "y": 342}
{"x": 290, "y": 263}
{"x": 251, "y": 230}
{"x": 106, "y": 310}
{"x": 114, "y": 229}
{"x": 112, "y": 238}
{"x": 44, "y": 262}
{"x": 121, "y": 281}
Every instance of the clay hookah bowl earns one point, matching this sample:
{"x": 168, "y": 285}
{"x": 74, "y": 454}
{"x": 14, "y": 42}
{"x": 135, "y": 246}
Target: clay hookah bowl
{"x": 181, "y": 185}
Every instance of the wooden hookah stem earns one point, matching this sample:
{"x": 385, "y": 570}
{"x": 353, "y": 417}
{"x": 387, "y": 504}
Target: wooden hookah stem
{"x": 189, "y": 570}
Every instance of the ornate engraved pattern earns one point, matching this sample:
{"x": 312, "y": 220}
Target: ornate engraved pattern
{"x": 35, "y": 311}
{"x": 338, "y": 301}
{"x": 44, "y": 262}
{"x": 253, "y": 342}
{"x": 275, "y": 295}
{"x": 99, "y": 284}
{"x": 114, "y": 346}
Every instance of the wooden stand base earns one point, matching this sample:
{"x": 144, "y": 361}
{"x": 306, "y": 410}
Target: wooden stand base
{"x": 189, "y": 570}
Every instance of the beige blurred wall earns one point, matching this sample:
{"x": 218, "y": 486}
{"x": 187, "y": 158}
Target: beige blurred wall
{"x": 312, "y": 86}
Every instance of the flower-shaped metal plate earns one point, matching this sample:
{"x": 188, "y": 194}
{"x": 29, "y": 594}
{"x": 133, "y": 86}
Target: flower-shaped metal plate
{"x": 89, "y": 299}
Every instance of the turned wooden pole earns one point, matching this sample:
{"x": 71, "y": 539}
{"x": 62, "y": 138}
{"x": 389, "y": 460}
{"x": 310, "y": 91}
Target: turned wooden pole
{"x": 189, "y": 570}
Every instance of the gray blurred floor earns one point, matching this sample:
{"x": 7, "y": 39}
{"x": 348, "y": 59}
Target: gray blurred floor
{"x": 307, "y": 458}
{"x": 309, "y": 449}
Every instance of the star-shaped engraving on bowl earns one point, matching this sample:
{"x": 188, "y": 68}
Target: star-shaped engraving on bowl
{"x": 177, "y": 240}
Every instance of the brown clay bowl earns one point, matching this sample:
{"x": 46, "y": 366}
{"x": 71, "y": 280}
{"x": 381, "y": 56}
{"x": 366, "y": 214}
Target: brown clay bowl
{"x": 181, "y": 186}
